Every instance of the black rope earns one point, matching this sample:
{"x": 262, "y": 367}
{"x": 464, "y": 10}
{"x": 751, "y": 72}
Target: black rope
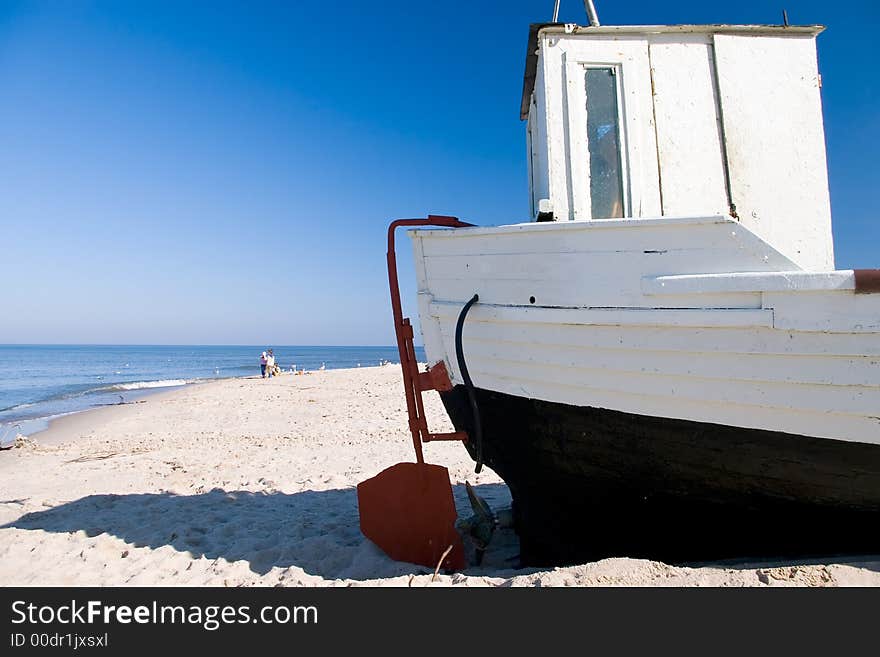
{"x": 462, "y": 366}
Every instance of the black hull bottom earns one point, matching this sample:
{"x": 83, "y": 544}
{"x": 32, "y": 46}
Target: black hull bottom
{"x": 591, "y": 483}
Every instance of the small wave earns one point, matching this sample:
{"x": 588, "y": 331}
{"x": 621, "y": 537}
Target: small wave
{"x": 17, "y": 408}
{"x": 140, "y": 385}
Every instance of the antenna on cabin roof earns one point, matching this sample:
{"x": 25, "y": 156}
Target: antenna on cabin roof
{"x": 588, "y": 5}
{"x": 591, "y": 13}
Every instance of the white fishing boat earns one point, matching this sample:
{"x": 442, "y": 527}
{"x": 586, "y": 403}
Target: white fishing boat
{"x": 664, "y": 362}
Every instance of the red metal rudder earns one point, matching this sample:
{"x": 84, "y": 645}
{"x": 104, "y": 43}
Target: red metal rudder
{"x": 408, "y": 509}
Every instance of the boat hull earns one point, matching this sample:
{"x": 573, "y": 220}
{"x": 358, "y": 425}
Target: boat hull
{"x": 589, "y": 483}
{"x": 670, "y": 388}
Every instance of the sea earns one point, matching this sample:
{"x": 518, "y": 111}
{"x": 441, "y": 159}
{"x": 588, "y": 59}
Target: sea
{"x": 41, "y": 382}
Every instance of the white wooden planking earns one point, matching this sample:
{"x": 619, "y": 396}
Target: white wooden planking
{"x": 655, "y": 234}
{"x": 772, "y": 113}
{"x": 496, "y": 331}
{"x": 688, "y": 132}
{"x": 685, "y": 341}
{"x": 836, "y": 312}
{"x": 604, "y": 292}
{"x": 427, "y": 324}
{"x": 770, "y": 368}
{"x": 628, "y": 359}
{"x": 840, "y": 395}
{"x": 810, "y": 383}
{"x": 592, "y": 263}
{"x": 803, "y": 301}
{"x": 587, "y": 265}
{"x": 853, "y": 400}
{"x": 607, "y": 316}
{"x": 782, "y": 281}
{"x": 810, "y": 422}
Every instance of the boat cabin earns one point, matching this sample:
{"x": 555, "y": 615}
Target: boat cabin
{"x": 681, "y": 121}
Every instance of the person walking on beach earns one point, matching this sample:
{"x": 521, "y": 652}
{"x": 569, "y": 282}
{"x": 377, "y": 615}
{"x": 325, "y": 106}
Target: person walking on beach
{"x": 270, "y": 363}
{"x": 264, "y": 360}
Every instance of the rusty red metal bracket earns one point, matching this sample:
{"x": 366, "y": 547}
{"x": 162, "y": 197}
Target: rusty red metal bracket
{"x": 415, "y": 382}
{"x": 867, "y": 281}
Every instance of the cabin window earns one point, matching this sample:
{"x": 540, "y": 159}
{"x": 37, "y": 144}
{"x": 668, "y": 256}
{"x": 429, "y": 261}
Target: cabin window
{"x": 603, "y": 138}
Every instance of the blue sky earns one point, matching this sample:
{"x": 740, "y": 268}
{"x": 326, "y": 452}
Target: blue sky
{"x": 224, "y": 173}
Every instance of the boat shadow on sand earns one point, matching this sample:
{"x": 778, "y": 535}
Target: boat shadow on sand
{"x": 317, "y": 531}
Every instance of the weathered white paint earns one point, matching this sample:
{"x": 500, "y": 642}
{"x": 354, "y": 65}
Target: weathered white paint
{"x": 769, "y": 368}
{"x": 642, "y": 30}
{"x": 833, "y": 312}
{"x": 769, "y": 95}
{"x": 539, "y": 172}
{"x": 530, "y": 155}
{"x": 688, "y": 131}
{"x": 778, "y": 281}
{"x": 718, "y": 389}
{"x": 696, "y": 101}
{"x": 809, "y": 421}
{"x": 685, "y": 341}
{"x": 554, "y": 108}
{"x": 745, "y": 339}
{"x": 607, "y": 234}
{"x": 690, "y": 317}
{"x": 840, "y": 396}
{"x": 629, "y": 56}
{"x": 592, "y": 263}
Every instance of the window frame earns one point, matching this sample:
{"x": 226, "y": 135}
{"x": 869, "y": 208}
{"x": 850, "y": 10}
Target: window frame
{"x": 625, "y": 186}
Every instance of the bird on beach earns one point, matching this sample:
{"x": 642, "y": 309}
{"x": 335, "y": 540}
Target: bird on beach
{"x": 322, "y": 368}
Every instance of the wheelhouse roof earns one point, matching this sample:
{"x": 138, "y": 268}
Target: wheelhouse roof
{"x": 535, "y": 29}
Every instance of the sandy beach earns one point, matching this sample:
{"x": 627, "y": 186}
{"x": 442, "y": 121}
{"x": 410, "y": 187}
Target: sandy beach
{"x": 251, "y": 482}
